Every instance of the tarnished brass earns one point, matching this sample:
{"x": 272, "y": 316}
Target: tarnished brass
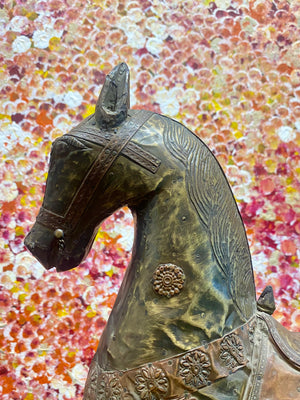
{"x": 266, "y": 301}
{"x": 185, "y": 324}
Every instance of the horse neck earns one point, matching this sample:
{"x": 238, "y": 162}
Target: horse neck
{"x": 169, "y": 230}
{"x": 208, "y": 190}
{"x": 192, "y": 222}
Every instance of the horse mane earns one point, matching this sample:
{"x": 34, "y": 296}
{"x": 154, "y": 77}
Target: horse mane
{"x": 213, "y": 200}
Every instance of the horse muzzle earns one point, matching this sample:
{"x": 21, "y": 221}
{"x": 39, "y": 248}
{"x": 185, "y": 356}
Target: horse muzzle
{"x": 38, "y": 249}
{"x": 49, "y": 249}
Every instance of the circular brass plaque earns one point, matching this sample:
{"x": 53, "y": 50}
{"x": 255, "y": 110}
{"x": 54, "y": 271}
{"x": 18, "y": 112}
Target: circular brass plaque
{"x": 168, "y": 280}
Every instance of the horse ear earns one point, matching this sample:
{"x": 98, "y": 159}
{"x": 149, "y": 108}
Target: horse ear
{"x": 113, "y": 101}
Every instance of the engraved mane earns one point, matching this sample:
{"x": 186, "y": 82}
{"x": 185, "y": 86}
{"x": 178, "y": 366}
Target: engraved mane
{"x": 213, "y": 200}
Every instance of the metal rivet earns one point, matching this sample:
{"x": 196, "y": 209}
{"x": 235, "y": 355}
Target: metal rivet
{"x": 59, "y": 233}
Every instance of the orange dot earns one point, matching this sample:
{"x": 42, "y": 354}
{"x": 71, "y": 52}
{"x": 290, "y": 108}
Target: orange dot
{"x": 61, "y": 367}
{"x": 70, "y": 357}
{"x": 38, "y": 367}
{"x": 7, "y": 384}
{"x": 35, "y": 319}
{"x": 42, "y": 119}
{"x": 36, "y": 298}
{"x": 67, "y": 378}
{"x": 110, "y": 301}
{"x": 11, "y": 316}
{"x": 66, "y": 296}
{"x": 20, "y": 347}
{"x": 8, "y": 267}
{"x": 43, "y": 379}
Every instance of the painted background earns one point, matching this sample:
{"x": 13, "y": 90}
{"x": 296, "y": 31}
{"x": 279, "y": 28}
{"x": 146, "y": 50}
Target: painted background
{"x": 229, "y": 70}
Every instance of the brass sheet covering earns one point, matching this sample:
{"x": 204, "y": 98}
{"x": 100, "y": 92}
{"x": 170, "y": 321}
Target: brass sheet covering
{"x": 175, "y": 377}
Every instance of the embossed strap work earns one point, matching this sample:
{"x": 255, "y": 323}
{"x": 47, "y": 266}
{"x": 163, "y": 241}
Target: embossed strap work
{"x": 101, "y": 165}
{"x": 173, "y": 377}
{"x": 287, "y": 342}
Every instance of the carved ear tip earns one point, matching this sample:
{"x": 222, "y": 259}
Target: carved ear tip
{"x": 113, "y": 101}
{"x": 123, "y": 65}
{"x": 120, "y": 68}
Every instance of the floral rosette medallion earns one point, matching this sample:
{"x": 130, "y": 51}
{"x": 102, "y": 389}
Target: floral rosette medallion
{"x": 168, "y": 280}
{"x": 102, "y": 386}
{"x": 194, "y": 369}
{"x": 109, "y": 388}
{"x": 151, "y": 383}
{"x": 232, "y": 351}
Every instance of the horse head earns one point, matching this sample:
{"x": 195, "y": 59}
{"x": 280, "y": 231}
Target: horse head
{"x": 89, "y": 174}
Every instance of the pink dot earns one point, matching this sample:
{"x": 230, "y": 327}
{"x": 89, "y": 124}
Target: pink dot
{"x": 267, "y": 186}
{"x": 288, "y": 247}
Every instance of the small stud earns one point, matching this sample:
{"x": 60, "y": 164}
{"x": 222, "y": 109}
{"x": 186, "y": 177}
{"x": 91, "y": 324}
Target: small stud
{"x": 59, "y": 233}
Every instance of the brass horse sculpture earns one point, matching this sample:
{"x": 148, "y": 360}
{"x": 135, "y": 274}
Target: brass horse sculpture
{"x": 185, "y": 324}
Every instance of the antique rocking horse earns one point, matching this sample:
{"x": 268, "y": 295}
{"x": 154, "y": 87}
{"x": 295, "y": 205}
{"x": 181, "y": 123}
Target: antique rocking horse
{"x": 185, "y": 324}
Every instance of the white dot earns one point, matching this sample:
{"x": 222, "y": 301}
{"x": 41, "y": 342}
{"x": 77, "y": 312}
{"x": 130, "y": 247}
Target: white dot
{"x": 73, "y": 98}
{"x": 286, "y": 133}
{"x": 21, "y": 44}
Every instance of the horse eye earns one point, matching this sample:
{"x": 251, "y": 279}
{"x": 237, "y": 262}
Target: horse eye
{"x": 60, "y": 149}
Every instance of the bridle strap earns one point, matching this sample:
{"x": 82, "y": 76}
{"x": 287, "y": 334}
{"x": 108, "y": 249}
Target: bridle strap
{"x": 101, "y": 165}
{"x": 132, "y": 151}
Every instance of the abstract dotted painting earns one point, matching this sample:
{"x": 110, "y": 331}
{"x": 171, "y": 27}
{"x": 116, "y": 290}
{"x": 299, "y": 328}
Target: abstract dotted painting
{"x": 229, "y": 70}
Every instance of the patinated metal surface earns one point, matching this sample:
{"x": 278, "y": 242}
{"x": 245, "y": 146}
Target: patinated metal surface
{"x": 266, "y": 301}
{"x": 174, "y": 377}
{"x": 185, "y": 323}
{"x": 69, "y": 220}
{"x": 275, "y": 362}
